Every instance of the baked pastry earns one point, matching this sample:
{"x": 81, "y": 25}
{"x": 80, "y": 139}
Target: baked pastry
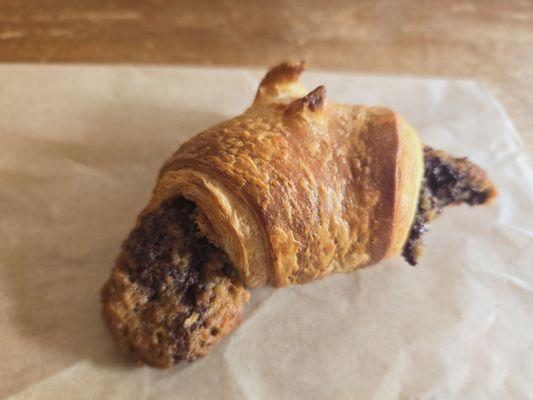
{"x": 294, "y": 189}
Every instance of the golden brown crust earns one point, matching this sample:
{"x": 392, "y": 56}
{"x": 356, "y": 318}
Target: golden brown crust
{"x": 327, "y": 187}
{"x": 281, "y": 83}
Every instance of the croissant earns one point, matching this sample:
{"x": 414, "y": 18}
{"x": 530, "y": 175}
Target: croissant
{"x": 294, "y": 189}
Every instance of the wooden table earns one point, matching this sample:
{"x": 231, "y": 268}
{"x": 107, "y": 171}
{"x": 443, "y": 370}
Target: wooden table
{"x": 489, "y": 41}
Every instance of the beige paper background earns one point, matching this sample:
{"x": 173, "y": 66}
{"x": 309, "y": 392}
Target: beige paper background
{"x": 79, "y": 151}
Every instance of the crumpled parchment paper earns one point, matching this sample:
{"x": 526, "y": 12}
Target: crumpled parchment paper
{"x": 80, "y": 148}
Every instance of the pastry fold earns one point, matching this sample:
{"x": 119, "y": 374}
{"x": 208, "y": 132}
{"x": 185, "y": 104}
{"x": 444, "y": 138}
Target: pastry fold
{"x": 298, "y": 187}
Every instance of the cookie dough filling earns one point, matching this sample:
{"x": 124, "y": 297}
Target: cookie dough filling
{"x": 447, "y": 181}
{"x": 173, "y": 295}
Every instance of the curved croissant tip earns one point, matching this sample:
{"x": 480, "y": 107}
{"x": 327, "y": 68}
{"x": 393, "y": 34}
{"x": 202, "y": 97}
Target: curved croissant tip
{"x": 313, "y": 101}
{"x": 279, "y": 81}
{"x": 297, "y": 66}
{"x": 284, "y": 72}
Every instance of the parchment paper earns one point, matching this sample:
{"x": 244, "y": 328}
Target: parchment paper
{"x": 80, "y": 148}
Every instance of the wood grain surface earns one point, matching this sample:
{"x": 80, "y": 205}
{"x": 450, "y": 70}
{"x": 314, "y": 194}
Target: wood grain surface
{"x": 491, "y": 41}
